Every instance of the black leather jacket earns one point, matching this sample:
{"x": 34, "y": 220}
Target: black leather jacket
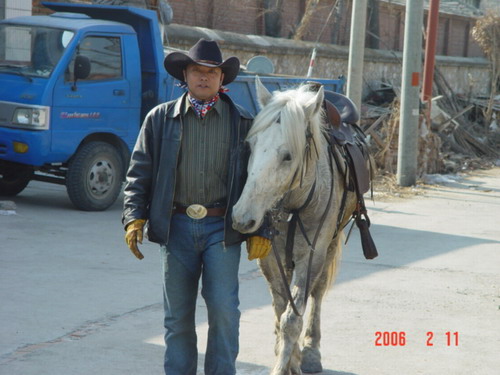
{"x": 149, "y": 189}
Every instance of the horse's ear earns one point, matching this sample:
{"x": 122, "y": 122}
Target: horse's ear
{"x": 263, "y": 94}
{"x": 314, "y": 105}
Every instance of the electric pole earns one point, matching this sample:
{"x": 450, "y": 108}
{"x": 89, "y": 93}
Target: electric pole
{"x": 410, "y": 92}
{"x": 356, "y": 52}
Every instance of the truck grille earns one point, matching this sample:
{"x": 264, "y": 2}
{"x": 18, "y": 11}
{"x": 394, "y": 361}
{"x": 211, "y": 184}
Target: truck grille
{"x": 3, "y": 148}
{"x": 6, "y": 111}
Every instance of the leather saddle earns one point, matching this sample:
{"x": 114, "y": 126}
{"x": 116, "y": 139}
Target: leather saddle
{"x": 345, "y": 107}
{"x": 342, "y": 115}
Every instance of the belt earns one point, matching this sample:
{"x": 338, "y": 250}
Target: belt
{"x": 198, "y": 211}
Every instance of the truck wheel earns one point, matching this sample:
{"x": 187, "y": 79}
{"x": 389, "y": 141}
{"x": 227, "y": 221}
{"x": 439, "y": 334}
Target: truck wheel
{"x": 95, "y": 176}
{"x": 14, "y": 177}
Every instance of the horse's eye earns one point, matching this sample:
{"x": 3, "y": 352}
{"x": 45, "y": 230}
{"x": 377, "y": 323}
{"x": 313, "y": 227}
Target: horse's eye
{"x": 287, "y": 157}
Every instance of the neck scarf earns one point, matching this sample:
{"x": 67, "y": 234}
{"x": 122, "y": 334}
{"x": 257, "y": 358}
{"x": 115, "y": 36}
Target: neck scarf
{"x": 201, "y": 107}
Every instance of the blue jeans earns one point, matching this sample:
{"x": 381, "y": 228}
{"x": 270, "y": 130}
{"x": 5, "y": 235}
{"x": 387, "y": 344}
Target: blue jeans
{"x": 196, "y": 248}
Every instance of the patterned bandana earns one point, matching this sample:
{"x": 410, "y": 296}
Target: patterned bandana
{"x": 202, "y": 107}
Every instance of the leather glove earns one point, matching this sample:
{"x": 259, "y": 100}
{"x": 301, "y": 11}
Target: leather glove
{"x": 134, "y": 235}
{"x": 258, "y": 247}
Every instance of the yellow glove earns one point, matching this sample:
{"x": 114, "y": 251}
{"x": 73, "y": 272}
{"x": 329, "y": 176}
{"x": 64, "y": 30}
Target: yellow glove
{"x": 258, "y": 247}
{"x": 134, "y": 235}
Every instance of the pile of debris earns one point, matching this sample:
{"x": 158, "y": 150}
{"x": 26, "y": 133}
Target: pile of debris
{"x": 453, "y": 137}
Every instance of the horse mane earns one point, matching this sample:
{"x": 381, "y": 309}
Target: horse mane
{"x": 287, "y": 107}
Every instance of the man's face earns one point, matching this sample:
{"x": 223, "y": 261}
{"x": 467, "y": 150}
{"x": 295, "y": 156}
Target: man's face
{"x": 203, "y": 81}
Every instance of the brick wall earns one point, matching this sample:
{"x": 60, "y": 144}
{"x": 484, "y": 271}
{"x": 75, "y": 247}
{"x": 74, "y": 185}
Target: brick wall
{"x": 38, "y": 8}
{"x": 456, "y": 37}
{"x": 246, "y": 17}
{"x": 391, "y": 27}
{"x": 322, "y": 28}
{"x": 242, "y": 16}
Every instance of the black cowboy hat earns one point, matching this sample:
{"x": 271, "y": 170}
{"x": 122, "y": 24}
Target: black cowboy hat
{"x": 206, "y": 53}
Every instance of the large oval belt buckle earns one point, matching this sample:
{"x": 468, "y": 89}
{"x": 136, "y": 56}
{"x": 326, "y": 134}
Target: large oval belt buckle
{"x": 196, "y": 211}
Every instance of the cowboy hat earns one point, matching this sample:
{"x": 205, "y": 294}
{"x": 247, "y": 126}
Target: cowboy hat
{"x": 206, "y": 53}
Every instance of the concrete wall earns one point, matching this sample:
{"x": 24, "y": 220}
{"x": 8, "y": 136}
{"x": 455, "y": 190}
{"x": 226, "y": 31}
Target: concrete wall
{"x": 464, "y": 75}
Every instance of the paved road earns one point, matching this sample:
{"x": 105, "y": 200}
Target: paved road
{"x": 75, "y": 302}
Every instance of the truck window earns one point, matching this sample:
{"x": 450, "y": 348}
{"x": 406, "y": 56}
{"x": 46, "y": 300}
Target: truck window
{"x": 105, "y": 58}
{"x": 31, "y": 50}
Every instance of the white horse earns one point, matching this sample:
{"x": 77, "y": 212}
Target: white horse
{"x": 291, "y": 171}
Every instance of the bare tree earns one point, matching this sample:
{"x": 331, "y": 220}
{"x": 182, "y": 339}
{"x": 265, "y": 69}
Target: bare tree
{"x": 306, "y": 19}
{"x": 486, "y": 32}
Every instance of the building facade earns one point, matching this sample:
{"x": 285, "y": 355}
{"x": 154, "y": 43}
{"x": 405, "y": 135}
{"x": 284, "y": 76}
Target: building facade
{"x": 15, "y": 8}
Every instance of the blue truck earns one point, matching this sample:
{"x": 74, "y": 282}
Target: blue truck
{"x": 75, "y": 87}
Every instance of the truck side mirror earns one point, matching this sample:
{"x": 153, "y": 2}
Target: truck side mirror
{"x": 81, "y": 68}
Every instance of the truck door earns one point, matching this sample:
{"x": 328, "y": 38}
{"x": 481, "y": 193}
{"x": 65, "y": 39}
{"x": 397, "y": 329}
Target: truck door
{"x": 99, "y": 103}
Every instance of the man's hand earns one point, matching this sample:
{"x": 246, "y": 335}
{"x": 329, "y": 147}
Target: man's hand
{"x": 134, "y": 235}
{"x": 258, "y": 247}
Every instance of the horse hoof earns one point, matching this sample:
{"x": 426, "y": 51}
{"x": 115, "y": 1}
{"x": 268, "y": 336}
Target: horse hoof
{"x": 311, "y": 361}
{"x": 311, "y": 368}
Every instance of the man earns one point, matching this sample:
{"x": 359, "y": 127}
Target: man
{"x": 187, "y": 170}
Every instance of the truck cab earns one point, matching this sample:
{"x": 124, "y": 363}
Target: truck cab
{"x": 75, "y": 86}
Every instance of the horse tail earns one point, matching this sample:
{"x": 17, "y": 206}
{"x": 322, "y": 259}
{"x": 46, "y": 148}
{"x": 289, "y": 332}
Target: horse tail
{"x": 335, "y": 263}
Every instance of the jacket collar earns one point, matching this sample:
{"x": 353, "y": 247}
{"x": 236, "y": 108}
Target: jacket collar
{"x": 178, "y": 105}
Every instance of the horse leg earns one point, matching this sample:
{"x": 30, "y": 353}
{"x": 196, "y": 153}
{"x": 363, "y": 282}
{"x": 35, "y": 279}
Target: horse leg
{"x": 276, "y": 288}
{"x": 288, "y": 326}
{"x": 279, "y": 306}
{"x": 281, "y": 348}
{"x": 288, "y": 359}
{"x": 311, "y": 355}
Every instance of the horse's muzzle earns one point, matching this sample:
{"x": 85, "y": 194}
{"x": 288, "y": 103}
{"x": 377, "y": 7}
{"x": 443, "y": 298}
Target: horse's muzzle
{"x": 244, "y": 221}
{"x": 245, "y": 227}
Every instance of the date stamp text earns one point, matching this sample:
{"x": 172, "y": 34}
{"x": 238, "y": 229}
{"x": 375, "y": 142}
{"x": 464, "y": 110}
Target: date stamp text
{"x": 400, "y": 338}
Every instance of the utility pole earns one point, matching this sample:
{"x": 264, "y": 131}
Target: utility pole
{"x": 410, "y": 90}
{"x": 356, "y": 52}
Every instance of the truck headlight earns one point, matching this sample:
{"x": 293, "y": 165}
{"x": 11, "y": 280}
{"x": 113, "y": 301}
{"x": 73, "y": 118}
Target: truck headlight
{"x": 22, "y": 116}
{"x": 33, "y": 118}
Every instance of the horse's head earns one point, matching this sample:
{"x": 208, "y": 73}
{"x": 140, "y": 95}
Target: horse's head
{"x": 284, "y": 140}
